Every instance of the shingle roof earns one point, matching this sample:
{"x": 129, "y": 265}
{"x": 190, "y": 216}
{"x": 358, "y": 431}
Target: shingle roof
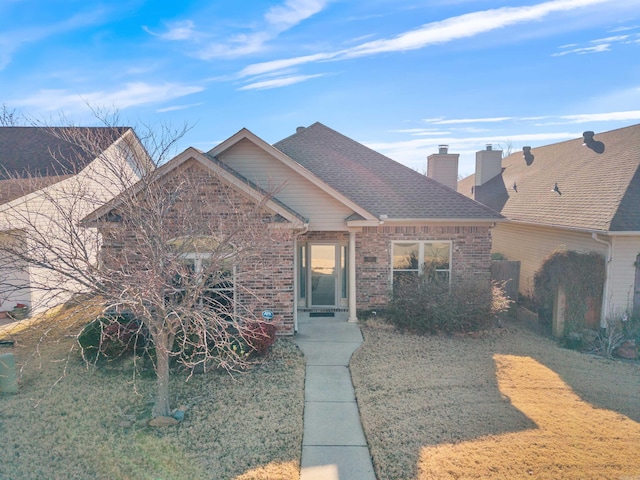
{"x": 43, "y": 151}
{"x": 32, "y": 158}
{"x": 375, "y": 182}
{"x": 598, "y": 191}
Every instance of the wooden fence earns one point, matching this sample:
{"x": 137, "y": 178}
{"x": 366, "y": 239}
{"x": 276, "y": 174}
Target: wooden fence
{"x": 507, "y": 272}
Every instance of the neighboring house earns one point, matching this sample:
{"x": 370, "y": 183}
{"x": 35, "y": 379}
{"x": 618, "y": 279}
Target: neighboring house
{"x": 357, "y": 220}
{"x": 50, "y": 178}
{"x": 582, "y": 194}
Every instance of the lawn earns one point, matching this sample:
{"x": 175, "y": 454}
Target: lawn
{"x": 508, "y": 404}
{"x": 72, "y": 422}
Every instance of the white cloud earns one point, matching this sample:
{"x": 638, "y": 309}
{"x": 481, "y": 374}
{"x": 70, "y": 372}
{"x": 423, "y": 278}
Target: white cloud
{"x": 178, "y": 107}
{"x": 277, "y": 19}
{"x": 413, "y": 153}
{"x": 275, "y": 65}
{"x": 617, "y": 38}
{"x": 132, "y": 94}
{"x": 184, "y": 30}
{"x": 279, "y": 82}
{"x": 603, "y": 47}
{"x": 293, "y": 12}
{"x": 454, "y": 28}
{"x": 468, "y": 120}
{"x": 603, "y": 117}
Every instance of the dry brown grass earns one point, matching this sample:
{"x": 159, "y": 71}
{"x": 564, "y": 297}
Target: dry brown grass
{"x": 510, "y": 404}
{"x": 72, "y": 422}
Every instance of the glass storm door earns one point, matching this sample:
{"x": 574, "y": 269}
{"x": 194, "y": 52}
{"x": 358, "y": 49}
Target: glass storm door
{"x": 324, "y": 274}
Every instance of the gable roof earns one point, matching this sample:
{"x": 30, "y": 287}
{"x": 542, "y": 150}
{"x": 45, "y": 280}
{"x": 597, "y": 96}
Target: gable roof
{"x": 245, "y": 134}
{"x": 375, "y": 182}
{"x": 598, "y": 192}
{"x": 223, "y": 172}
{"x": 32, "y": 158}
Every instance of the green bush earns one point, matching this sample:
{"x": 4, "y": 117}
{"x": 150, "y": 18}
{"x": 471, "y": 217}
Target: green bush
{"x": 112, "y": 335}
{"x": 424, "y": 305}
{"x": 581, "y": 276}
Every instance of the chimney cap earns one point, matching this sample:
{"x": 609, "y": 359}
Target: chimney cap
{"x": 443, "y": 148}
{"x": 489, "y": 147}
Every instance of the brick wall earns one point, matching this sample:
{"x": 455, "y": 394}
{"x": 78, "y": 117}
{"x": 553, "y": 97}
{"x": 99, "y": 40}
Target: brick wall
{"x": 471, "y": 257}
{"x": 203, "y": 205}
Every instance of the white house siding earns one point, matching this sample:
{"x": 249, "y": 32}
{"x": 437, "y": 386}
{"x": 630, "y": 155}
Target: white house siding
{"x": 531, "y": 245}
{"x": 324, "y": 212}
{"x": 625, "y": 250}
{"x": 57, "y": 208}
{"x": 14, "y": 283}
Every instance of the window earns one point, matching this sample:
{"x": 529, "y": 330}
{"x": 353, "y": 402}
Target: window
{"x": 410, "y": 259}
{"x": 217, "y": 286}
{"x": 201, "y": 279}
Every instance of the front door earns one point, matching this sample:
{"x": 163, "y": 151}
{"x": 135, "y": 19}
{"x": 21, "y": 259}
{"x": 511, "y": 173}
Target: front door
{"x": 324, "y": 274}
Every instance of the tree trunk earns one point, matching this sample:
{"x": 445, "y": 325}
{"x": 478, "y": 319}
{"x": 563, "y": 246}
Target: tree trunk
{"x": 161, "y": 408}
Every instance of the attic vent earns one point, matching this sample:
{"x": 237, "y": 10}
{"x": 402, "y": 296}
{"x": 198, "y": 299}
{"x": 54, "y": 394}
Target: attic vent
{"x": 299, "y": 129}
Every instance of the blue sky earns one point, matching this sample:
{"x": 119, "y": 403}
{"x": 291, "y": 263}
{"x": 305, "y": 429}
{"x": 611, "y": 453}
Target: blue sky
{"x": 401, "y": 76}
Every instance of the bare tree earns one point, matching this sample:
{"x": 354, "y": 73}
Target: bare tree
{"x": 8, "y": 117}
{"x": 188, "y": 254}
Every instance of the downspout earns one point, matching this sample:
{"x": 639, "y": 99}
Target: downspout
{"x": 295, "y": 276}
{"x": 352, "y": 277}
{"x": 607, "y": 276}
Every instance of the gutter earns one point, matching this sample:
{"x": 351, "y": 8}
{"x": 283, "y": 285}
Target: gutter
{"x": 607, "y": 276}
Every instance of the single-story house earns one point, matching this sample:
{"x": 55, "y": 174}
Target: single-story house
{"x": 582, "y": 194}
{"x": 356, "y": 219}
{"x": 51, "y": 178}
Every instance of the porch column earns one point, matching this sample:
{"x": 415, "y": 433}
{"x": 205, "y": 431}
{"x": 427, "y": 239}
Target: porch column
{"x": 352, "y": 276}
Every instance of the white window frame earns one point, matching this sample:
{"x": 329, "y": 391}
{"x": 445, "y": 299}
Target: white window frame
{"x": 420, "y": 268}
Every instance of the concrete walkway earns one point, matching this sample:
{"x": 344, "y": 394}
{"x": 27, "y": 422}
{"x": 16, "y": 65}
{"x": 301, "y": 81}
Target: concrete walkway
{"x": 333, "y": 443}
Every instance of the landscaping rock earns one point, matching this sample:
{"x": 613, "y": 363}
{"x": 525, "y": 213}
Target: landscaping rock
{"x": 628, "y": 350}
{"x": 163, "y": 422}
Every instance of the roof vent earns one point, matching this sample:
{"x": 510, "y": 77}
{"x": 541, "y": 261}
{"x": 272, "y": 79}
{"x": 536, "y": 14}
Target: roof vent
{"x": 443, "y": 148}
{"x": 528, "y": 156}
{"x": 299, "y": 129}
{"x": 489, "y": 147}
{"x": 592, "y": 143}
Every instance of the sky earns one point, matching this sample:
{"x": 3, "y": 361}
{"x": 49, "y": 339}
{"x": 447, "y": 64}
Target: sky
{"x": 400, "y": 76}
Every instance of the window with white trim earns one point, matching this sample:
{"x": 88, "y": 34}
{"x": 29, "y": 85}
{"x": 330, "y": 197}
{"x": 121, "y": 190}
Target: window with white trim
{"x": 415, "y": 258}
{"x": 208, "y": 281}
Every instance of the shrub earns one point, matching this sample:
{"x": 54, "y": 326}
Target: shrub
{"x": 112, "y": 335}
{"x": 580, "y": 274}
{"x": 259, "y": 336}
{"x": 430, "y": 306}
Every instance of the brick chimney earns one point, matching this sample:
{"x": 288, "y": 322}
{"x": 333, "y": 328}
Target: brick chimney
{"x": 488, "y": 165}
{"x": 443, "y": 167}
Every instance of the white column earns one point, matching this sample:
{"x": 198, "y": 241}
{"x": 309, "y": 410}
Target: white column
{"x": 352, "y": 276}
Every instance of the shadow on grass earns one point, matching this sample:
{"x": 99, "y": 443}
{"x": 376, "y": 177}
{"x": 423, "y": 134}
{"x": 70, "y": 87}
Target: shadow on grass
{"x": 417, "y": 394}
{"x": 572, "y": 439}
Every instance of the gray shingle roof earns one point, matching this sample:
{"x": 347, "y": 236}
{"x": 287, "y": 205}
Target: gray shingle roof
{"x": 32, "y": 158}
{"x": 43, "y": 151}
{"x": 598, "y": 191}
{"x": 375, "y": 182}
